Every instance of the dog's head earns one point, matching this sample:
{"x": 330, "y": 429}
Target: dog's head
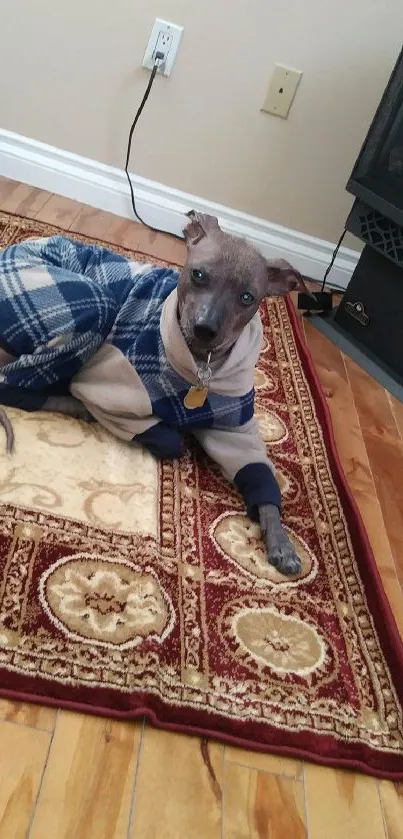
{"x": 222, "y": 284}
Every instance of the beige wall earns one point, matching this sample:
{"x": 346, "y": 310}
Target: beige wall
{"x": 70, "y": 75}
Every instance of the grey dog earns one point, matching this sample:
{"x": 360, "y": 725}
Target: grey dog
{"x": 212, "y": 318}
{"x": 212, "y": 321}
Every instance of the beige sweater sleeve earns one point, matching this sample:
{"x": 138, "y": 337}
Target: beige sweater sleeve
{"x": 242, "y": 456}
{"x": 234, "y": 448}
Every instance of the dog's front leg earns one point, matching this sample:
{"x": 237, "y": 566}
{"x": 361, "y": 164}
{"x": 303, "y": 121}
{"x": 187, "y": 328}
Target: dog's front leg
{"x": 243, "y": 458}
{"x": 280, "y": 550}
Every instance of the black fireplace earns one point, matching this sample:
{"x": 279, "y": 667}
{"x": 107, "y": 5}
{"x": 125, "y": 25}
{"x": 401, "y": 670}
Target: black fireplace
{"x": 377, "y": 177}
{"x": 369, "y": 319}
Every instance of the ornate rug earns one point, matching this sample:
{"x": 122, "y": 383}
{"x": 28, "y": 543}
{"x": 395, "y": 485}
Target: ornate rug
{"x": 128, "y": 588}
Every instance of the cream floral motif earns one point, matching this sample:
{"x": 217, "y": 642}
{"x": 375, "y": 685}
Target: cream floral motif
{"x": 272, "y": 428}
{"x": 240, "y": 540}
{"x": 100, "y": 480}
{"x": 106, "y": 601}
{"x": 284, "y": 642}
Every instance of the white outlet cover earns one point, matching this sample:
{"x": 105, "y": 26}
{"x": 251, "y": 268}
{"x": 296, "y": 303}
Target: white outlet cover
{"x": 164, "y": 30}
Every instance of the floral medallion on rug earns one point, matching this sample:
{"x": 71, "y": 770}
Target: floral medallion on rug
{"x": 129, "y": 588}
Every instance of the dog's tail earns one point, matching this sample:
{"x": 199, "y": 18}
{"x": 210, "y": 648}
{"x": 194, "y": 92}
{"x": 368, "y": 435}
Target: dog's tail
{"x": 8, "y": 428}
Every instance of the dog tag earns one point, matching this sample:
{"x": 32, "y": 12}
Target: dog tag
{"x": 195, "y": 397}
{"x": 197, "y": 394}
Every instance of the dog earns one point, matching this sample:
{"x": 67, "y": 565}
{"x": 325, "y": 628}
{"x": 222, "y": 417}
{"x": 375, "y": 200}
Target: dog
{"x": 159, "y": 353}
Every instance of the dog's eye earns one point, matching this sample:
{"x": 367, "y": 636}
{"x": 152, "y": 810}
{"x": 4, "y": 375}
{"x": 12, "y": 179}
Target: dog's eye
{"x": 247, "y": 298}
{"x": 198, "y": 276}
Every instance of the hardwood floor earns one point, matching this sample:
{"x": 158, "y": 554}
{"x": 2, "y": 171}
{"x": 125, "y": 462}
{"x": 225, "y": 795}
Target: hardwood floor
{"x": 66, "y": 775}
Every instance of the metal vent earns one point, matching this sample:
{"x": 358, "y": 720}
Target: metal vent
{"x": 384, "y": 235}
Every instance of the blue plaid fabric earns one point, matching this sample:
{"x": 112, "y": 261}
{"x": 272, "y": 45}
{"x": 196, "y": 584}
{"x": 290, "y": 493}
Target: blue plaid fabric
{"x": 60, "y": 300}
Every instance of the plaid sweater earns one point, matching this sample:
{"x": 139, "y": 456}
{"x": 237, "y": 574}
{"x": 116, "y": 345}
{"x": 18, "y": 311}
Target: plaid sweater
{"x": 81, "y": 318}
{"x": 61, "y": 300}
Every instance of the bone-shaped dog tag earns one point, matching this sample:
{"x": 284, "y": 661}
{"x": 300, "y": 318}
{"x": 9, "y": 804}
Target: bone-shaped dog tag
{"x": 195, "y": 397}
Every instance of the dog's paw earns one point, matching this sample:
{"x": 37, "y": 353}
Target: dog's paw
{"x": 280, "y": 549}
{"x": 283, "y": 556}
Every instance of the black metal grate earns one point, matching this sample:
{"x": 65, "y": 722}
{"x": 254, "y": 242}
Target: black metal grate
{"x": 384, "y": 235}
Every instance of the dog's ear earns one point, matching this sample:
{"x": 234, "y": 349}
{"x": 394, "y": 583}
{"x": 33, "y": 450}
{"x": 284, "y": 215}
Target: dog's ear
{"x": 199, "y": 226}
{"x": 282, "y": 278}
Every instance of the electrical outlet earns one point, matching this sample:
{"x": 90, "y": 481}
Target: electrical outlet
{"x": 282, "y": 90}
{"x": 165, "y": 37}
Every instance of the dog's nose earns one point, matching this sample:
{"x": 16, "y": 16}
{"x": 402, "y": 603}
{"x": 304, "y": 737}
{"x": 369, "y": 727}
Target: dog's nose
{"x": 205, "y": 332}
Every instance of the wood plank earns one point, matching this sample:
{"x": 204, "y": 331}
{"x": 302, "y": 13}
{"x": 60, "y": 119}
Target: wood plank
{"x": 392, "y": 806}
{"x": 25, "y": 200}
{"x": 342, "y": 804}
{"x": 274, "y": 764}
{"x": 259, "y": 805}
{"x": 163, "y": 246}
{"x": 385, "y": 452}
{"x": 7, "y": 186}
{"x": 23, "y": 755}
{"x": 353, "y": 455}
{"x": 130, "y": 234}
{"x": 372, "y": 403}
{"x": 23, "y": 713}
{"x": 179, "y": 788}
{"x": 59, "y": 211}
{"x": 126, "y": 233}
{"x": 92, "y": 222}
{"x": 397, "y": 410}
{"x": 88, "y": 783}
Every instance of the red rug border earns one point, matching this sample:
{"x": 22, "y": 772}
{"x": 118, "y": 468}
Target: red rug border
{"x": 389, "y": 634}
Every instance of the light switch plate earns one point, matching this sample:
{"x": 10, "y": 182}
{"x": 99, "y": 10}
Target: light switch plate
{"x": 282, "y": 89}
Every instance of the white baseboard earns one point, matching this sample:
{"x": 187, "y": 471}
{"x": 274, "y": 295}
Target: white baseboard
{"x": 106, "y": 188}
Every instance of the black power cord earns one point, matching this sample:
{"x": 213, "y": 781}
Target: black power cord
{"x": 323, "y": 299}
{"x": 320, "y": 301}
{"x": 159, "y": 60}
{"x": 331, "y": 263}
